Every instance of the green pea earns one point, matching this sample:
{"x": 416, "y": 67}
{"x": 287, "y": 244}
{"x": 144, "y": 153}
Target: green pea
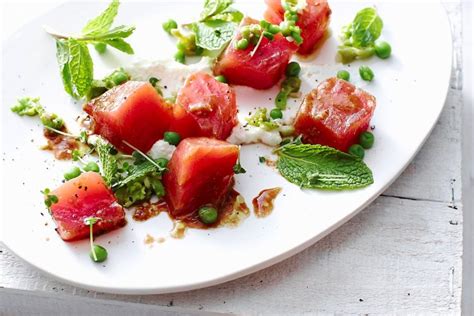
{"x": 281, "y": 99}
{"x": 242, "y": 44}
{"x": 297, "y": 37}
{"x": 172, "y": 138}
{"x": 162, "y": 162}
{"x": 366, "y": 73}
{"x": 100, "y": 47}
{"x": 276, "y": 114}
{"x": 344, "y": 75}
{"x": 245, "y": 31}
{"x": 255, "y": 29}
{"x": 291, "y": 84}
{"x": 383, "y": 50}
{"x": 366, "y": 140}
{"x": 265, "y": 24}
{"x": 268, "y": 35}
{"x": 221, "y": 78}
{"x": 357, "y": 150}
{"x": 285, "y": 28}
{"x": 169, "y": 25}
{"x": 100, "y": 253}
{"x": 119, "y": 77}
{"x": 208, "y": 215}
{"x": 74, "y": 172}
{"x": 293, "y": 69}
{"x": 179, "y": 56}
{"x": 92, "y": 166}
{"x": 274, "y": 29}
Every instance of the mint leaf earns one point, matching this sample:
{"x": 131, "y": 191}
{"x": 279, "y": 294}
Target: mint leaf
{"x": 62, "y": 56}
{"x": 76, "y": 67}
{"x": 213, "y": 35}
{"x": 366, "y": 28}
{"x": 230, "y": 15}
{"x": 103, "y": 22}
{"x": 119, "y": 44}
{"x": 213, "y": 7}
{"x": 322, "y": 167}
{"x": 108, "y": 162}
{"x": 121, "y": 31}
{"x": 358, "y": 38}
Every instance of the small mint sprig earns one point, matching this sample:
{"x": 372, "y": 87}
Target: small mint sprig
{"x": 75, "y": 63}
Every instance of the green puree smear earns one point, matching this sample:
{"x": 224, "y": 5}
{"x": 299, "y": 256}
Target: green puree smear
{"x": 358, "y": 38}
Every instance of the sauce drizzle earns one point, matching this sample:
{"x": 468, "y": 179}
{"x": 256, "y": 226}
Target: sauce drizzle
{"x": 148, "y": 210}
{"x": 263, "y": 202}
{"x": 61, "y": 146}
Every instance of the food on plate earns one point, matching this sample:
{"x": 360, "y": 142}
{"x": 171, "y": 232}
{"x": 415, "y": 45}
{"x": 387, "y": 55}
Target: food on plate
{"x": 260, "y": 64}
{"x": 312, "y": 17}
{"x": 133, "y": 112}
{"x": 207, "y": 103}
{"x": 359, "y": 38}
{"x": 75, "y": 62}
{"x": 180, "y": 154}
{"x": 85, "y": 196}
{"x": 200, "y": 173}
{"x": 209, "y": 34}
{"x": 334, "y": 114}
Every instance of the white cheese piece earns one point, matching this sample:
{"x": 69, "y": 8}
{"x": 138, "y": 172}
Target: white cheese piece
{"x": 161, "y": 149}
{"x": 171, "y": 74}
{"x": 253, "y": 134}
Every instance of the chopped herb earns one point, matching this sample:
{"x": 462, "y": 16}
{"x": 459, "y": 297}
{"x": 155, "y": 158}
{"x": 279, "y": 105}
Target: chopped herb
{"x": 261, "y": 119}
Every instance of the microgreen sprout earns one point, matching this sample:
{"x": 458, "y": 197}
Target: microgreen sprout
{"x": 97, "y": 253}
{"x": 49, "y": 199}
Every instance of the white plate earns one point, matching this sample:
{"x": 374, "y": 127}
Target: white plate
{"x": 410, "y": 88}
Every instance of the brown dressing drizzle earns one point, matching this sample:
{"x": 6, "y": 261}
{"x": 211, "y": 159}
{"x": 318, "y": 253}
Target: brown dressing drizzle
{"x": 179, "y": 229}
{"x": 61, "y": 146}
{"x": 233, "y": 211}
{"x": 263, "y": 202}
{"x": 148, "y": 210}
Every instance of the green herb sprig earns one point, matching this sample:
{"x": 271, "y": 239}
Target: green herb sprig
{"x": 75, "y": 63}
{"x": 210, "y": 34}
{"x": 322, "y": 167}
{"x": 97, "y": 252}
{"x": 49, "y": 199}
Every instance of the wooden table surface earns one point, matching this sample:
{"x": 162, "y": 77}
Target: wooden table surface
{"x": 401, "y": 254}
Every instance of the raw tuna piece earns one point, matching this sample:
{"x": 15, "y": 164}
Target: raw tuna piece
{"x": 210, "y": 107}
{"x": 313, "y": 21}
{"x": 334, "y": 114}
{"x": 132, "y": 112}
{"x": 199, "y": 173}
{"x": 82, "y": 197}
{"x": 260, "y": 71}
